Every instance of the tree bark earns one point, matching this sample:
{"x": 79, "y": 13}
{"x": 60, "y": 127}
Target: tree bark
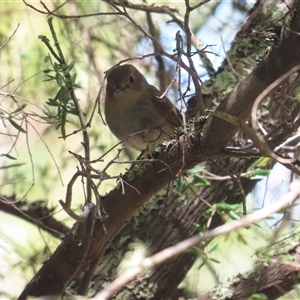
{"x": 88, "y": 240}
{"x": 164, "y": 223}
{"x": 272, "y": 280}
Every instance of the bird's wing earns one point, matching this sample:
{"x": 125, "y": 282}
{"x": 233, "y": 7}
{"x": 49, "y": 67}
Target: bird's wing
{"x": 165, "y": 107}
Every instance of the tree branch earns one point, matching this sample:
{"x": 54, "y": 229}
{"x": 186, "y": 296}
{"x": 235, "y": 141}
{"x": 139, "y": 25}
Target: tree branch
{"x": 265, "y": 280}
{"x": 148, "y": 179}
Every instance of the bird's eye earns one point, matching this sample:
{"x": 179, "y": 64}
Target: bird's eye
{"x": 131, "y": 79}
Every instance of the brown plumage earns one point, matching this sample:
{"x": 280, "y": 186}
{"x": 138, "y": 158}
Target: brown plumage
{"x": 133, "y": 111}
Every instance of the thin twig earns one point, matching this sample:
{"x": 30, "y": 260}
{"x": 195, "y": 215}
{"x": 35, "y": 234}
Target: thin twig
{"x": 5, "y": 43}
{"x": 168, "y": 253}
{"x": 260, "y": 143}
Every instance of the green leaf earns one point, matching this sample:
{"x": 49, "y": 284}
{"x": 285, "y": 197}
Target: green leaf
{"x": 52, "y": 103}
{"x": 20, "y": 108}
{"x": 9, "y": 156}
{"x": 48, "y": 114}
{"x": 213, "y": 248}
{"x": 48, "y": 71}
{"x": 76, "y": 85}
{"x": 257, "y": 296}
{"x": 259, "y": 173}
{"x": 73, "y": 78}
{"x": 63, "y": 123}
{"x": 46, "y": 59}
{"x": 200, "y": 182}
{"x": 257, "y": 225}
{"x": 56, "y": 66}
{"x": 233, "y": 215}
{"x": 196, "y": 170}
{"x": 67, "y": 68}
{"x": 58, "y": 80}
{"x": 202, "y": 264}
{"x": 16, "y": 125}
{"x": 194, "y": 251}
{"x": 73, "y": 112}
{"x": 50, "y": 77}
{"x": 45, "y": 80}
{"x": 48, "y": 119}
{"x": 62, "y": 95}
{"x": 259, "y": 163}
{"x": 199, "y": 228}
{"x": 207, "y": 213}
{"x": 181, "y": 185}
{"x": 224, "y": 207}
{"x": 214, "y": 260}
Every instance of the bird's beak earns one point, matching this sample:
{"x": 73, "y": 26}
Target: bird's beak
{"x": 118, "y": 88}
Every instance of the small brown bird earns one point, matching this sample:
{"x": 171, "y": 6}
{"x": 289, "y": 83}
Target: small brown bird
{"x": 134, "y": 112}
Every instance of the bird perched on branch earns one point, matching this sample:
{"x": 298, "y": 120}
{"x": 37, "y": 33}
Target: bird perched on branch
{"x": 135, "y": 111}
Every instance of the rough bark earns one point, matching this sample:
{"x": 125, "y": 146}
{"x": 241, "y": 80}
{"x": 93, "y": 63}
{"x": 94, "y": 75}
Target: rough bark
{"x": 36, "y": 213}
{"x": 162, "y": 224}
{"x": 88, "y": 240}
{"x": 272, "y": 280}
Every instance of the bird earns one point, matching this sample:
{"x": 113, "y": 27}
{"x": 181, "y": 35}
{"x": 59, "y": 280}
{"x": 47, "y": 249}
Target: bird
{"x": 134, "y": 110}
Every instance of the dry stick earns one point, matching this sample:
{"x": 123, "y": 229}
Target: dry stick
{"x": 113, "y": 160}
{"x": 49, "y": 151}
{"x": 255, "y": 106}
{"x": 5, "y": 43}
{"x": 238, "y": 76}
{"x": 179, "y": 49}
{"x": 259, "y": 143}
{"x": 180, "y": 248}
{"x": 48, "y": 10}
{"x": 147, "y": 160}
{"x": 46, "y": 41}
{"x": 147, "y": 8}
{"x": 168, "y": 253}
{"x": 195, "y": 42}
{"x": 198, "y": 4}
{"x": 11, "y": 166}
{"x": 211, "y": 176}
{"x": 163, "y": 9}
{"x": 161, "y": 70}
{"x": 101, "y": 215}
{"x": 12, "y": 96}
{"x": 122, "y": 181}
{"x": 27, "y": 217}
{"x": 162, "y": 51}
{"x": 86, "y": 250}
{"x": 91, "y": 54}
{"x": 139, "y": 57}
{"x": 198, "y": 96}
{"x": 31, "y": 162}
{"x": 178, "y": 19}
{"x": 67, "y": 205}
{"x": 51, "y": 13}
{"x": 79, "y": 110}
{"x": 236, "y": 178}
{"x": 5, "y": 85}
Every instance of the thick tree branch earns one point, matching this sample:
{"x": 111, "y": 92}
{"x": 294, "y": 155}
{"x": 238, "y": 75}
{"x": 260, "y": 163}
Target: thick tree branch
{"x": 182, "y": 247}
{"x": 36, "y": 213}
{"x": 67, "y": 259}
{"x": 266, "y": 279}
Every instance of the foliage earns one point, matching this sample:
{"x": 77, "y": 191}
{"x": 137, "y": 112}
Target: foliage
{"x": 55, "y": 144}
